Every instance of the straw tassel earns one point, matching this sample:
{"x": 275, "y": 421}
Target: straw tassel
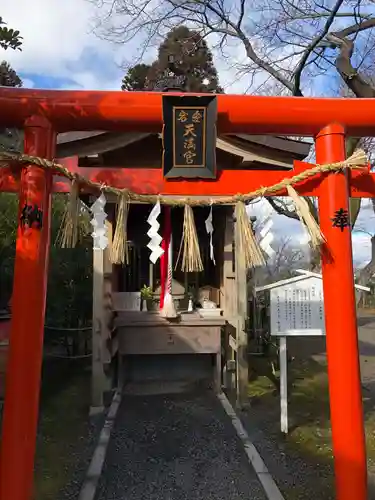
{"x": 120, "y": 250}
{"x": 69, "y": 231}
{"x": 303, "y": 212}
{"x": 357, "y": 159}
{"x": 247, "y": 245}
{"x": 191, "y": 256}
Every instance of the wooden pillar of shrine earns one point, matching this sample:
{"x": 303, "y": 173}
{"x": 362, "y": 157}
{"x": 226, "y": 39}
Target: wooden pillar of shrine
{"x": 102, "y": 344}
{"x": 228, "y": 300}
{"x": 242, "y": 365}
{"x": 234, "y": 300}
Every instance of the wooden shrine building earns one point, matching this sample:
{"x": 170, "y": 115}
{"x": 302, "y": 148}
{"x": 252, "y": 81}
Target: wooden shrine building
{"x": 124, "y": 333}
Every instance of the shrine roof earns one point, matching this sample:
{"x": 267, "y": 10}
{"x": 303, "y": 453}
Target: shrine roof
{"x": 303, "y": 276}
{"x": 276, "y": 151}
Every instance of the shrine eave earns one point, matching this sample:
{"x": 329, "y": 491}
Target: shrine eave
{"x": 249, "y": 151}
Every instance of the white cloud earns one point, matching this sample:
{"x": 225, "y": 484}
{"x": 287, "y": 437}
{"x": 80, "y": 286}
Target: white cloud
{"x": 361, "y": 249}
{"x": 57, "y": 34}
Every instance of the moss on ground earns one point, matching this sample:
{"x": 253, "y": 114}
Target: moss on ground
{"x": 63, "y": 424}
{"x": 308, "y": 412}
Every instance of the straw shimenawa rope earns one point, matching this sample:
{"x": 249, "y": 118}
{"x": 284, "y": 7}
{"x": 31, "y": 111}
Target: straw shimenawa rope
{"x": 69, "y": 230}
{"x": 191, "y": 261}
{"x": 247, "y": 246}
{"x": 358, "y": 160}
{"x": 191, "y": 256}
{"x": 119, "y": 251}
{"x": 305, "y": 216}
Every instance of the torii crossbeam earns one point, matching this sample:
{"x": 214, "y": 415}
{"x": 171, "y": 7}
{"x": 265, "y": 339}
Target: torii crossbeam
{"x": 44, "y": 113}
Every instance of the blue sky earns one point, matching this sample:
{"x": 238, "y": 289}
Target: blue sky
{"x": 61, "y": 52}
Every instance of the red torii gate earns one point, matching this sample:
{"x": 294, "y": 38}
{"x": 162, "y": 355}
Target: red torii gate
{"x": 44, "y": 113}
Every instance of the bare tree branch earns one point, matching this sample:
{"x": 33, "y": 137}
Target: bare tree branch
{"x": 242, "y": 13}
{"x": 356, "y": 28}
{"x": 281, "y": 208}
{"x": 312, "y": 46}
{"x": 279, "y": 37}
{"x": 357, "y": 84}
{"x": 286, "y": 260}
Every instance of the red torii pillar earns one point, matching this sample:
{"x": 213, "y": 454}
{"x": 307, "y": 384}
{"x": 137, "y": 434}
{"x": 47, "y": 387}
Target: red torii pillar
{"x": 345, "y": 390}
{"x": 27, "y": 324}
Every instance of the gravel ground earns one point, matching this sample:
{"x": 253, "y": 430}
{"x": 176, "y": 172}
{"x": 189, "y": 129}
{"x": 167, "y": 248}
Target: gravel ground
{"x": 83, "y": 453}
{"x": 176, "y": 447}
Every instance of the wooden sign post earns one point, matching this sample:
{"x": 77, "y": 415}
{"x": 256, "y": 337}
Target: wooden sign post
{"x": 296, "y": 310}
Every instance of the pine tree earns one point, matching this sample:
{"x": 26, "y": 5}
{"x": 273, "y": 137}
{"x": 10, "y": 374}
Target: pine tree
{"x": 10, "y": 139}
{"x": 8, "y": 76}
{"x": 136, "y": 77}
{"x": 192, "y": 59}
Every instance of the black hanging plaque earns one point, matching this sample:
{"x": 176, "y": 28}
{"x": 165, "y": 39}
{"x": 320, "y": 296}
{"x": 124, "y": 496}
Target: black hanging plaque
{"x": 189, "y": 136}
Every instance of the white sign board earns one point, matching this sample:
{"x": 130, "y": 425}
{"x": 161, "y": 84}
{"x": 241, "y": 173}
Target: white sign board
{"x": 297, "y": 308}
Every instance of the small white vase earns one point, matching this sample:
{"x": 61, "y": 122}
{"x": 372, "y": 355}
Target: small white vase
{"x": 190, "y": 306}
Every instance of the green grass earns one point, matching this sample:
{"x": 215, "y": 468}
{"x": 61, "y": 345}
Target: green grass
{"x": 308, "y": 412}
{"x": 308, "y": 408}
{"x": 63, "y": 423}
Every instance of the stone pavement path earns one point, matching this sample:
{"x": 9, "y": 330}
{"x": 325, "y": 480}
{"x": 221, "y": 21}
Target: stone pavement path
{"x": 176, "y": 447}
